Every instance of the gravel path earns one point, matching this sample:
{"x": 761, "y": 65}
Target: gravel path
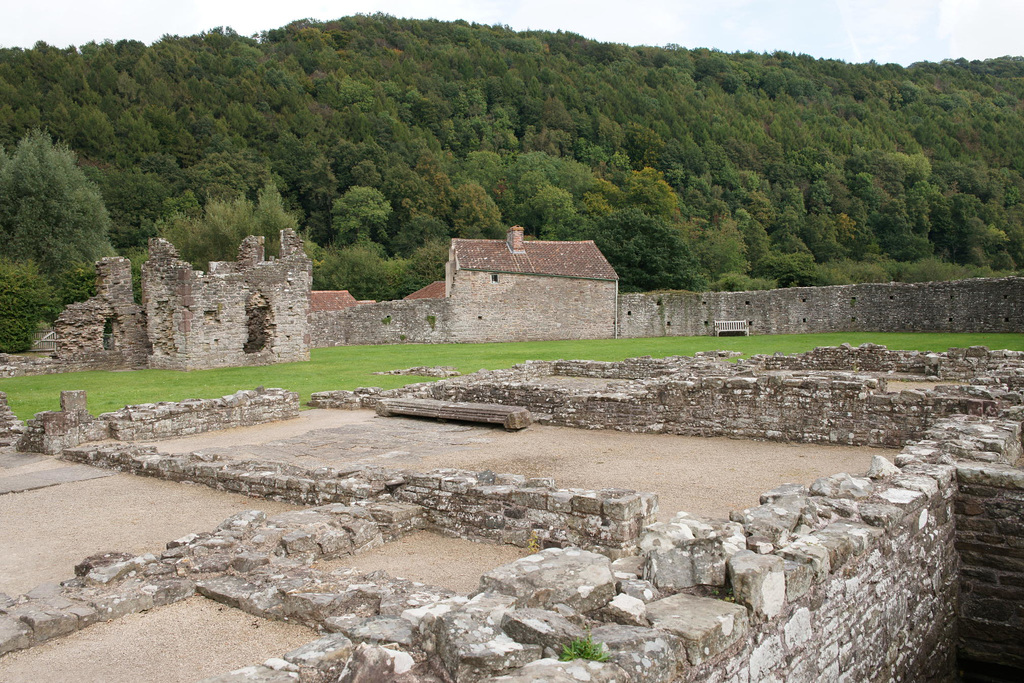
{"x": 180, "y": 643}
{"x": 47, "y": 531}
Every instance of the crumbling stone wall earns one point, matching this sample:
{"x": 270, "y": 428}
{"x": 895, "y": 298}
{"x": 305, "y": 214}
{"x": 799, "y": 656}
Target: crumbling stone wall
{"x": 807, "y": 407}
{"x": 954, "y": 364}
{"x": 11, "y": 427}
{"x": 976, "y": 305}
{"x": 106, "y": 332}
{"x": 247, "y": 312}
{"x": 53, "y": 431}
{"x": 503, "y": 508}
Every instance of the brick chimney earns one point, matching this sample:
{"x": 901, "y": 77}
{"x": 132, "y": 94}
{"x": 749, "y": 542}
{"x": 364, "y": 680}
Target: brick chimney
{"x": 515, "y": 240}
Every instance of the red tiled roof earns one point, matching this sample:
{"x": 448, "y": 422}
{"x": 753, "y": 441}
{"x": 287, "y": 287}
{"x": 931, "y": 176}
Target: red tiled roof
{"x": 435, "y": 290}
{"x": 321, "y": 300}
{"x": 565, "y": 259}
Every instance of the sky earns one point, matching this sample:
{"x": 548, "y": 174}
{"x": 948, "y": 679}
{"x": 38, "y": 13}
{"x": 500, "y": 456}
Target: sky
{"x": 900, "y": 31}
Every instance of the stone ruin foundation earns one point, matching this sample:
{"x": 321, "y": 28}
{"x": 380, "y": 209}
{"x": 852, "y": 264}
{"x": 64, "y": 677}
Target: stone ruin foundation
{"x": 889, "y": 576}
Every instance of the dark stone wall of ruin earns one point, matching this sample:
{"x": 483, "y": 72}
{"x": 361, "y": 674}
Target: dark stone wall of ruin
{"x": 977, "y": 305}
{"x": 990, "y": 540}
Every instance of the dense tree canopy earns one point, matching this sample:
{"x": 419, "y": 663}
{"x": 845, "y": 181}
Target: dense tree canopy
{"x": 387, "y": 136}
{"x": 50, "y": 213}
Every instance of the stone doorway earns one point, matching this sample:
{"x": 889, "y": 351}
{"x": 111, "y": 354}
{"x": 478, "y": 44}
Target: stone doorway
{"x": 259, "y": 320}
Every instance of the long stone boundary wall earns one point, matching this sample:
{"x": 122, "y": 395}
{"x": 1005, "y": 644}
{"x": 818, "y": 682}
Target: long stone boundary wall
{"x": 416, "y": 321}
{"x": 53, "y": 431}
{"x": 978, "y": 305}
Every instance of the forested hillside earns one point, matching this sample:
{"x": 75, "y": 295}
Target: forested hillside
{"x": 382, "y": 138}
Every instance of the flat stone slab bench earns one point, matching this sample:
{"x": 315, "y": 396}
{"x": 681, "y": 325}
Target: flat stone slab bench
{"x": 512, "y": 417}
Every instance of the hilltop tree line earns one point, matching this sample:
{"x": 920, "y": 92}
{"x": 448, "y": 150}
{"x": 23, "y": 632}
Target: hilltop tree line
{"x": 383, "y": 138}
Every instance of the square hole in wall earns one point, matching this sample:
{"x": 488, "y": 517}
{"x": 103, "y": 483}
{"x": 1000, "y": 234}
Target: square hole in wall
{"x": 805, "y": 319}
{"x": 629, "y": 312}
{"x": 804, "y": 300}
{"x": 669, "y": 323}
{"x": 494, "y": 277}
{"x": 853, "y": 320}
{"x": 950, "y": 320}
{"x": 479, "y": 317}
{"x": 1006, "y": 320}
{"x": 748, "y": 303}
{"x": 853, "y": 301}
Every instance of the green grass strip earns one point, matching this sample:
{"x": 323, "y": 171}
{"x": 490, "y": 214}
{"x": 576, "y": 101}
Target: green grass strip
{"x": 348, "y": 367}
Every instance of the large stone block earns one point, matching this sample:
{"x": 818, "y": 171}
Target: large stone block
{"x": 706, "y": 626}
{"x": 578, "y": 578}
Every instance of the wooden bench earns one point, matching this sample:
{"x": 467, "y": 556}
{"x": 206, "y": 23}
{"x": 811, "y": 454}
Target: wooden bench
{"x": 740, "y": 326}
{"x": 512, "y": 417}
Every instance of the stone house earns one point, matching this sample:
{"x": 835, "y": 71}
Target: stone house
{"x": 514, "y": 290}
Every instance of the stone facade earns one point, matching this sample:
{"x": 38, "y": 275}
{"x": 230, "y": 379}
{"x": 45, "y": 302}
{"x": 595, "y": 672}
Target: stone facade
{"x": 53, "y": 431}
{"x": 246, "y": 312}
{"x": 249, "y": 312}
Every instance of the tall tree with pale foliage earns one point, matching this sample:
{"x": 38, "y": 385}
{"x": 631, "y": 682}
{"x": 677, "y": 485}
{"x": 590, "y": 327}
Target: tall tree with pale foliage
{"x": 50, "y": 213}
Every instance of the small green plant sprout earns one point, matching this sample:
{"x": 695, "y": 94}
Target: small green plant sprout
{"x": 584, "y": 648}
{"x": 533, "y": 545}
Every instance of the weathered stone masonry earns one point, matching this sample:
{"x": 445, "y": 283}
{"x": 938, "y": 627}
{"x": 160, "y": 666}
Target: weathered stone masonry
{"x": 247, "y": 312}
{"x": 977, "y": 305}
{"x": 250, "y": 312}
{"x": 53, "y": 431}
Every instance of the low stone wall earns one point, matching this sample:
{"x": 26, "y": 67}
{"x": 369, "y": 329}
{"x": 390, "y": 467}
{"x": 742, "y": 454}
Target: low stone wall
{"x": 849, "y": 579}
{"x": 53, "y": 431}
{"x": 502, "y": 508}
{"x": 11, "y": 427}
{"x": 959, "y": 364}
{"x": 813, "y": 408}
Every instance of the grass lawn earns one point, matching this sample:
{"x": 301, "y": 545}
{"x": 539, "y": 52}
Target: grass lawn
{"x": 348, "y": 367}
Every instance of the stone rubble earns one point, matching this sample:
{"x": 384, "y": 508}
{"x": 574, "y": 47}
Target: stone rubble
{"x": 850, "y": 578}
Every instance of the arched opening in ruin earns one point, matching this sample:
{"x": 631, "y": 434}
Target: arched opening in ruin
{"x": 259, "y": 320}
